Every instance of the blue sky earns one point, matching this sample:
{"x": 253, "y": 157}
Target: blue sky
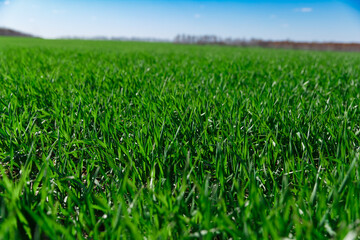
{"x": 276, "y": 20}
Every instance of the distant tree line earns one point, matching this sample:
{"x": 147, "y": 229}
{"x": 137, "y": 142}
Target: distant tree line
{"x": 215, "y": 40}
{"x": 12, "y": 33}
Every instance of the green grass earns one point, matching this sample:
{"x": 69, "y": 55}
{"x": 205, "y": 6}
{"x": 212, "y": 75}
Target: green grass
{"x": 123, "y": 140}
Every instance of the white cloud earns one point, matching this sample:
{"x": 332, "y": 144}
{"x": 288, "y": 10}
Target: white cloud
{"x": 285, "y": 25}
{"x": 197, "y": 15}
{"x": 304, "y": 10}
{"x": 7, "y": 2}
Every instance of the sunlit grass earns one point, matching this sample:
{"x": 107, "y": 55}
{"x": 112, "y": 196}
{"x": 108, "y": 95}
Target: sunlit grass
{"x": 125, "y": 140}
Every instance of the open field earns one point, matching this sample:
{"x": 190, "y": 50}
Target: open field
{"x": 124, "y": 140}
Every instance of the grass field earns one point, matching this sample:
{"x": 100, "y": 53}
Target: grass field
{"x": 123, "y": 140}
